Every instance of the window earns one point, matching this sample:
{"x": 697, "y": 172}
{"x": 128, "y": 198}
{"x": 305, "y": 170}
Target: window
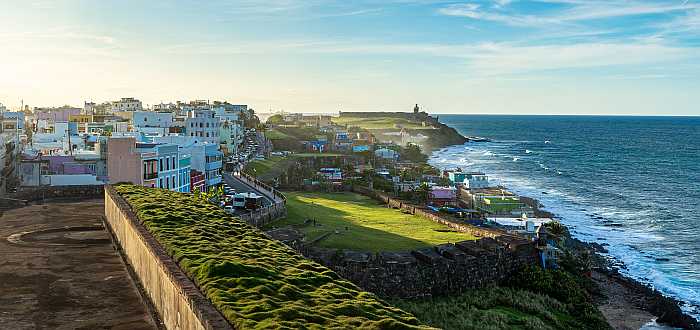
{"x": 207, "y": 125}
{"x": 160, "y": 164}
{"x": 174, "y": 159}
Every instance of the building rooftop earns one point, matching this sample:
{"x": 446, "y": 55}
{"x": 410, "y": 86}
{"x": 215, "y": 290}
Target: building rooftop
{"x": 64, "y": 279}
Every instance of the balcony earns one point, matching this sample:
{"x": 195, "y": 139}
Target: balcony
{"x": 213, "y": 165}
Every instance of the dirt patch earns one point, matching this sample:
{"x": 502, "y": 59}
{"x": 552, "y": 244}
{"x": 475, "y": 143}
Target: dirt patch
{"x": 623, "y": 308}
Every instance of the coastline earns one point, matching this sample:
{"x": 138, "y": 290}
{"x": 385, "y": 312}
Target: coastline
{"x": 626, "y": 303}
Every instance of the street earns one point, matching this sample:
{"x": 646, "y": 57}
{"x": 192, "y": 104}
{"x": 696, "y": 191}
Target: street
{"x": 241, "y": 187}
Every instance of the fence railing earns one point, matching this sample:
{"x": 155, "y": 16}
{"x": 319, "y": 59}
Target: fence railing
{"x": 264, "y": 215}
{"x": 269, "y": 190}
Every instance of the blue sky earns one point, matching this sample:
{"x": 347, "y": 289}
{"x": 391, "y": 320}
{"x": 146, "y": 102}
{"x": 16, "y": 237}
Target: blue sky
{"x": 488, "y": 56}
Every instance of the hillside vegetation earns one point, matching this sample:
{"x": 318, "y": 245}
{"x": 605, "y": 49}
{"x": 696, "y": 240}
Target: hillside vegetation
{"x": 269, "y": 168}
{"x": 254, "y": 281}
{"x": 385, "y": 126}
{"x": 534, "y": 298}
{"x": 381, "y": 123}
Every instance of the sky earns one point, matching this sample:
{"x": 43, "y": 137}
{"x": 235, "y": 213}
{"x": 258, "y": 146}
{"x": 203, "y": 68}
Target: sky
{"x": 488, "y": 56}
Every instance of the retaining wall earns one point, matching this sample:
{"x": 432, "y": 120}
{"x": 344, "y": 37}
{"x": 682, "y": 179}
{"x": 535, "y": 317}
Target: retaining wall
{"x": 175, "y": 297}
{"x": 441, "y": 270}
{"x": 38, "y": 193}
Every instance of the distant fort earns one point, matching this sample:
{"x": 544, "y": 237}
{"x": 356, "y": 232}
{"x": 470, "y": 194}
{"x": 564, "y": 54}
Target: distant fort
{"x": 440, "y": 137}
{"x": 416, "y": 115}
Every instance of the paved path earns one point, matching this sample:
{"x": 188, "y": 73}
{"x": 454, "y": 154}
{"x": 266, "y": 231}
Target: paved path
{"x": 64, "y": 280}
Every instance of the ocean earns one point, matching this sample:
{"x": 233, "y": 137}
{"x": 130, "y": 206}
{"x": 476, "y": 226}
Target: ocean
{"x": 630, "y": 183}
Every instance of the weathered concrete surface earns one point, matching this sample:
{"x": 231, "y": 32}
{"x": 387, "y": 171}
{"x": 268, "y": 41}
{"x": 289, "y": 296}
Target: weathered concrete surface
{"x": 71, "y": 286}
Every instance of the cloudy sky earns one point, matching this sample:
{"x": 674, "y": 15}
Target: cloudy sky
{"x": 489, "y": 56}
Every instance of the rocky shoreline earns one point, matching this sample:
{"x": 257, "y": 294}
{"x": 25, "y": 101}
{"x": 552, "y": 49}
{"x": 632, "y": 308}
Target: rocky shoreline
{"x": 625, "y": 295}
{"x": 636, "y": 296}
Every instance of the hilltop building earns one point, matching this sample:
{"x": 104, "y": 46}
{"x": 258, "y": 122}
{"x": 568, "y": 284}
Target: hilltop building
{"x": 126, "y": 104}
{"x": 203, "y": 124}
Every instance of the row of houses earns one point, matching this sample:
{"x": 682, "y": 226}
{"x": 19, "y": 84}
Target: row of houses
{"x": 180, "y": 146}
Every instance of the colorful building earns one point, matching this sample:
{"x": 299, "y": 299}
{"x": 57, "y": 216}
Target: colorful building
{"x": 442, "y": 196}
{"x": 148, "y": 164}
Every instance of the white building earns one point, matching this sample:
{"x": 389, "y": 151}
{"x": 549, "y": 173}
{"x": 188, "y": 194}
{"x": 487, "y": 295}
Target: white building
{"x": 152, "y": 119}
{"x": 127, "y": 104}
{"x": 12, "y": 120}
{"x": 476, "y": 181}
{"x": 386, "y": 153}
{"x": 203, "y": 124}
{"x": 226, "y": 115}
{"x": 170, "y": 107}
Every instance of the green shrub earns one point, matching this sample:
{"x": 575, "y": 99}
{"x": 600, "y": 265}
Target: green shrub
{"x": 564, "y": 287}
{"x": 492, "y": 308}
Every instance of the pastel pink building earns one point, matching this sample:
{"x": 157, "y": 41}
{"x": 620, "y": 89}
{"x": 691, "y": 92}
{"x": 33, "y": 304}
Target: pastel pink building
{"x": 126, "y": 164}
{"x": 442, "y": 196}
{"x": 56, "y": 114}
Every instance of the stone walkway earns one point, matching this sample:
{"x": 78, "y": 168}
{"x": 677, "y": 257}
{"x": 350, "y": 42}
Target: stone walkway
{"x": 64, "y": 278}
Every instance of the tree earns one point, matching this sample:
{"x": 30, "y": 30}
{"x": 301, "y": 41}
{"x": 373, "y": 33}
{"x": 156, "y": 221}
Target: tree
{"x": 422, "y": 193}
{"x": 275, "y": 119}
{"x": 412, "y": 152}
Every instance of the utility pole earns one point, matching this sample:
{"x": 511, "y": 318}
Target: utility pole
{"x": 70, "y": 146}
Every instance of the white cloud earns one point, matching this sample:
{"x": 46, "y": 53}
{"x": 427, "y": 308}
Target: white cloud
{"x": 483, "y": 59}
{"x": 505, "y": 59}
{"x": 501, "y": 3}
{"x": 577, "y": 11}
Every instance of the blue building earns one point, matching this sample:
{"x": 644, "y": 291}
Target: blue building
{"x": 205, "y": 157}
{"x": 184, "y": 173}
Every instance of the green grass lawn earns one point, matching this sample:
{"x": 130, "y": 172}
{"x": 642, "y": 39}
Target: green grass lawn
{"x": 262, "y": 167}
{"x": 274, "y": 134}
{"x": 310, "y": 154}
{"x": 370, "y": 226}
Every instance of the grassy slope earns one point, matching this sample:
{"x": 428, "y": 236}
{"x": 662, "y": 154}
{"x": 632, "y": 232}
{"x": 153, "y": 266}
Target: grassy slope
{"x": 438, "y": 136}
{"x": 532, "y": 298}
{"x": 380, "y": 123}
{"x": 263, "y": 167}
{"x": 313, "y": 154}
{"x": 492, "y": 308}
{"x": 275, "y": 134}
{"x": 255, "y": 281}
{"x": 372, "y": 227}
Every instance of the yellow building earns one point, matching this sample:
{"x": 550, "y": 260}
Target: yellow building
{"x": 80, "y": 118}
